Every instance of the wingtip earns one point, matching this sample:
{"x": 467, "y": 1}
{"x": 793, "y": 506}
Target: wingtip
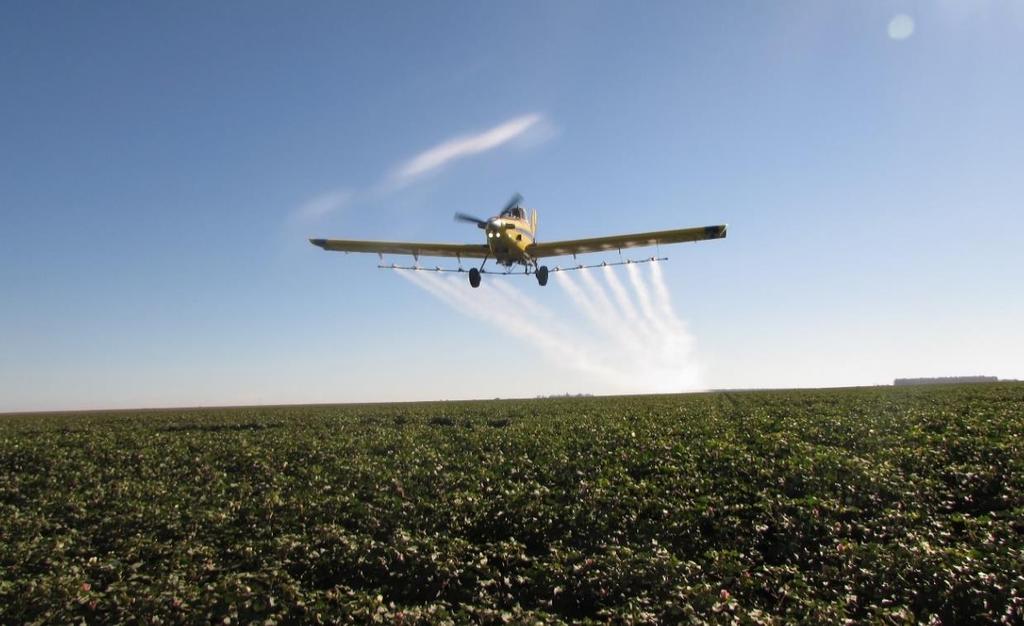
{"x": 716, "y": 232}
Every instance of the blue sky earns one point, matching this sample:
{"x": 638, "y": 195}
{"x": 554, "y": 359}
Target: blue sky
{"x": 163, "y": 165}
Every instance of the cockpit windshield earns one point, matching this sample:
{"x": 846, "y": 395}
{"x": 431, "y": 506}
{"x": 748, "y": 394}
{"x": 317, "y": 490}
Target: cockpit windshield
{"x": 514, "y": 212}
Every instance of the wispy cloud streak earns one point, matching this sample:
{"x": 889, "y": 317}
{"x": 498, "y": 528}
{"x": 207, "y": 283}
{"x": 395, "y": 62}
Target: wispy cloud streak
{"x": 323, "y": 204}
{"x": 428, "y": 161}
{"x": 461, "y": 147}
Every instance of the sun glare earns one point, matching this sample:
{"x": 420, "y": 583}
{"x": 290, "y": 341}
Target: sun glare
{"x": 901, "y": 27}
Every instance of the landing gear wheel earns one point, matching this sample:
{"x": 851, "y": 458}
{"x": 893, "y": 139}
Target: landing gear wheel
{"x": 474, "y": 277}
{"x": 542, "y": 275}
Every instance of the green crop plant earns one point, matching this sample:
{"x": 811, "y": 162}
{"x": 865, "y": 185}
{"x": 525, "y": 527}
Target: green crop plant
{"x": 885, "y": 505}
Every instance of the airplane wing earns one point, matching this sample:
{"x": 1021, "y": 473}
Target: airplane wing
{"x": 618, "y": 242}
{"x": 465, "y": 251}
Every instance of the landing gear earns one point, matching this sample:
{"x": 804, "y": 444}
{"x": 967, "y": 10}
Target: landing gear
{"x": 542, "y": 275}
{"x": 474, "y": 273}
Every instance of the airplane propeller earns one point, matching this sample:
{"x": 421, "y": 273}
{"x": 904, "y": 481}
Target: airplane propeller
{"x": 513, "y": 201}
{"x": 462, "y": 217}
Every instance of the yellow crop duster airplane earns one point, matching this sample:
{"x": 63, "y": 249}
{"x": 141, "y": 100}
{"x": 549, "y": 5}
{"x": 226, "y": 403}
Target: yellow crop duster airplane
{"x": 511, "y": 240}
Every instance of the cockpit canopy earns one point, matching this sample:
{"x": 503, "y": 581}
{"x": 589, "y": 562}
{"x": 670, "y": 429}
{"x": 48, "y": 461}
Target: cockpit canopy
{"x": 514, "y": 212}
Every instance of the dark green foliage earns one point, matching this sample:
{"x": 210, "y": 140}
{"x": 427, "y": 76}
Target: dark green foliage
{"x": 874, "y": 505}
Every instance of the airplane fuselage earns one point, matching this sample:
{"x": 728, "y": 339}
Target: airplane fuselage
{"x": 508, "y": 238}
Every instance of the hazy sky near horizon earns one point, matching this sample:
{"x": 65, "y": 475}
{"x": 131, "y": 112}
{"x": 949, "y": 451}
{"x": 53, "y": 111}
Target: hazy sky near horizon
{"x": 163, "y": 164}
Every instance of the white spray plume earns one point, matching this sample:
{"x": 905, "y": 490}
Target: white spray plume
{"x": 625, "y": 304}
{"x": 593, "y": 302}
{"x": 644, "y": 298}
{"x": 491, "y": 304}
{"x": 664, "y": 301}
{"x": 621, "y": 350}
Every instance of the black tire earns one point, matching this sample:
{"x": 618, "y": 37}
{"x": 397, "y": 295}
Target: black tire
{"x": 474, "y": 277}
{"x": 542, "y": 275}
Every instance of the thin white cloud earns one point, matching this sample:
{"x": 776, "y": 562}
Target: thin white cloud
{"x": 428, "y": 161}
{"x": 323, "y": 204}
{"x": 464, "y": 146}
